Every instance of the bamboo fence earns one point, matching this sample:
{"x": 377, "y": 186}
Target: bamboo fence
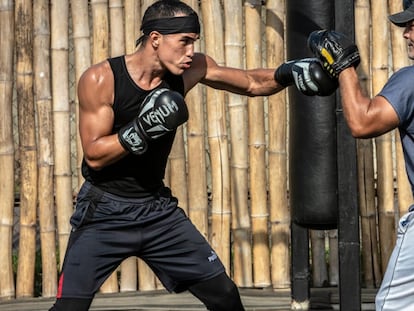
{"x": 228, "y": 166}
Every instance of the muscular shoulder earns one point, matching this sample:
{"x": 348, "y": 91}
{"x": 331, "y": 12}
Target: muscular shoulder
{"x": 96, "y": 75}
{"x": 96, "y": 84}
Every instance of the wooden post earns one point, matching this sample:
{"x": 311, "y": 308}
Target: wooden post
{"x": 28, "y": 154}
{"x": 348, "y": 209}
{"x": 7, "y": 182}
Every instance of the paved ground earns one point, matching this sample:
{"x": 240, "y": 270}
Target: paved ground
{"x": 253, "y": 299}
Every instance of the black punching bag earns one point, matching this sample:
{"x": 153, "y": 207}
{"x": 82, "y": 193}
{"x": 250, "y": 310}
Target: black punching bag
{"x": 313, "y": 166}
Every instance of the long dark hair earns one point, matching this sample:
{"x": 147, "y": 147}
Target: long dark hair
{"x": 161, "y": 9}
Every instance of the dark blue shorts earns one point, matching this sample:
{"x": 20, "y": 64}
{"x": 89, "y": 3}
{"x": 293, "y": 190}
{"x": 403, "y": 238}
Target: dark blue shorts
{"x": 108, "y": 229}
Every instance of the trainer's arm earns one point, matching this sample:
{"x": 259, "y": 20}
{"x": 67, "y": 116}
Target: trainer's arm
{"x": 366, "y": 117}
{"x": 95, "y": 93}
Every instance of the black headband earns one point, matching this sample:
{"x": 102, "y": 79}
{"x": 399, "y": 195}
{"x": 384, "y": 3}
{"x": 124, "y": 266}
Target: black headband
{"x": 170, "y": 25}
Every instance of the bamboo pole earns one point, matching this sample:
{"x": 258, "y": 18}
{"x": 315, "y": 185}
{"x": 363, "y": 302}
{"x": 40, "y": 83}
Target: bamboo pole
{"x": 369, "y": 236}
{"x": 384, "y": 142}
{"x": 82, "y": 51}
{"x": 177, "y": 170}
{"x": 144, "y": 5}
{"x": 116, "y": 13}
{"x": 196, "y": 155}
{"x": 7, "y": 182}
{"x": 61, "y": 120}
{"x": 366, "y": 182}
{"x": 257, "y": 149}
{"x": 146, "y": 278}
{"x": 319, "y": 267}
{"x": 333, "y": 258}
{"x": 237, "y": 106}
{"x": 100, "y": 51}
{"x": 277, "y": 152}
{"x": 43, "y": 100}
{"x": 217, "y": 137}
{"x": 129, "y": 275}
{"x": 400, "y": 60}
{"x": 132, "y": 23}
{"x": 100, "y": 26}
{"x": 128, "y": 279}
{"x": 404, "y": 193}
{"x": 27, "y": 145}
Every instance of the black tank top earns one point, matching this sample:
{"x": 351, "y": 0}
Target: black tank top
{"x": 134, "y": 175}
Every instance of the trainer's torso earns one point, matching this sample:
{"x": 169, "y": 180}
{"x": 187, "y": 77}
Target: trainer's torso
{"x": 400, "y": 94}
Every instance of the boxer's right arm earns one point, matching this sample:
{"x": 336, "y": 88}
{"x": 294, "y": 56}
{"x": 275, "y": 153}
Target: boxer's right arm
{"x": 95, "y": 93}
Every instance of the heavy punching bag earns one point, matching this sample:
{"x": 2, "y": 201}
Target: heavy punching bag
{"x": 313, "y": 167}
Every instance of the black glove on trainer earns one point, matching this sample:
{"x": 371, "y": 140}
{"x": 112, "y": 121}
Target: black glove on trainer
{"x": 308, "y": 76}
{"x": 335, "y": 50}
{"x": 162, "y": 111}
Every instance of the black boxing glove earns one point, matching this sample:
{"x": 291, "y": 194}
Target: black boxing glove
{"x": 335, "y": 51}
{"x": 308, "y": 75}
{"x": 162, "y": 111}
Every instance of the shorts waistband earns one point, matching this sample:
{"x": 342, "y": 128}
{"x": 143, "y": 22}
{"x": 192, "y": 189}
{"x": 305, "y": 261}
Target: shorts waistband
{"x": 88, "y": 187}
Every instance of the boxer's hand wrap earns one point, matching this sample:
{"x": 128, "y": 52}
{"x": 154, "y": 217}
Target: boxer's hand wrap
{"x": 335, "y": 51}
{"x": 162, "y": 111}
{"x": 308, "y": 76}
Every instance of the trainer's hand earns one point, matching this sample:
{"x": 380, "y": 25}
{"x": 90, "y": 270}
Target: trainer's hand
{"x": 162, "y": 111}
{"x": 308, "y": 76}
{"x": 334, "y": 49}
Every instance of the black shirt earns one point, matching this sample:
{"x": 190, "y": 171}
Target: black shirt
{"x": 134, "y": 175}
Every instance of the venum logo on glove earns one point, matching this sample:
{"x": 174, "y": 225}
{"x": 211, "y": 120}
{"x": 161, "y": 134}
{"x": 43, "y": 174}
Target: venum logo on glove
{"x": 135, "y": 142}
{"x": 154, "y": 117}
{"x": 162, "y": 112}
